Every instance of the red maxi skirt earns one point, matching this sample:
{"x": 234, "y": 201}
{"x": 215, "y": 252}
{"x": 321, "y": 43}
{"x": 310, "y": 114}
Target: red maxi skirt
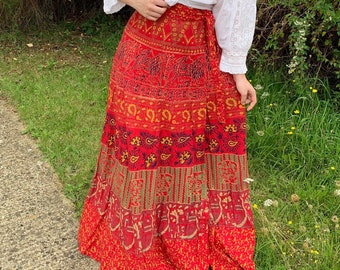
{"x": 169, "y": 189}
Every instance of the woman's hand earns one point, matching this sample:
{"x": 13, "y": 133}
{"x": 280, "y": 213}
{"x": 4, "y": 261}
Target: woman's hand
{"x": 246, "y": 90}
{"x": 150, "y": 9}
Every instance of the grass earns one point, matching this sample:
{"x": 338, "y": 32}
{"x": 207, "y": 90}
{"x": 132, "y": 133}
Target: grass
{"x": 294, "y": 152}
{"x": 59, "y": 82}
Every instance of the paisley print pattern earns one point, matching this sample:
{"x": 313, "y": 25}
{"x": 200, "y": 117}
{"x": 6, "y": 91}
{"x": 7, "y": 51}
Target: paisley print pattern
{"x": 169, "y": 190}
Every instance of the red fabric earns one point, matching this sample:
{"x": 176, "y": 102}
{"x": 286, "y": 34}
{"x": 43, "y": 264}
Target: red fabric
{"x": 169, "y": 190}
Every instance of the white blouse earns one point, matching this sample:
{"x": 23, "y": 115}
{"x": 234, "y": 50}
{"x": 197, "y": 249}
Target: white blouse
{"x": 234, "y": 26}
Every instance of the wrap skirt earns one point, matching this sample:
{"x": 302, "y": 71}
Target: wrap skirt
{"x": 170, "y": 189}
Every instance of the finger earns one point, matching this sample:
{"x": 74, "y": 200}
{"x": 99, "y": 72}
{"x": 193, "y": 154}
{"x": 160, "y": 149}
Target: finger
{"x": 153, "y": 16}
{"x": 251, "y": 106}
{"x": 161, "y": 3}
{"x": 159, "y": 10}
{"x": 156, "y": 12}
{"x": 243, "y": 99}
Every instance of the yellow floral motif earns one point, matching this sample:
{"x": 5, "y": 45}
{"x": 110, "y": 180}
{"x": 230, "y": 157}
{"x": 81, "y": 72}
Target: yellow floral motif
{"x": 125, "y": 155}
{"x": 213, "y": 144}
{"x": 136, "y": 141}
{"x": 167, "y": 141}
{"x": 184, "y": 157}
{"x": 230, "y": 128}
{"x": 111, "y": 140}
{"x": 150, "y": 159}
{"x": 200, "y": 138}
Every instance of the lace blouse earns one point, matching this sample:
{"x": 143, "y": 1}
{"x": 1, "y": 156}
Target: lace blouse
{"x": 234, "y": 26}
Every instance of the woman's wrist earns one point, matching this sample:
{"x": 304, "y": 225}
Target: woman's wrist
{"x": 240, "y": 78}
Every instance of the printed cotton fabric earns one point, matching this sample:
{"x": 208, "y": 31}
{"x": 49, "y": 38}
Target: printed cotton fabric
{"x": 169, "y": 189}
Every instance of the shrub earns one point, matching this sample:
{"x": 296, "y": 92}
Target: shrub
{"x": 28, "y": 14}
{"x": 303, "y": 35}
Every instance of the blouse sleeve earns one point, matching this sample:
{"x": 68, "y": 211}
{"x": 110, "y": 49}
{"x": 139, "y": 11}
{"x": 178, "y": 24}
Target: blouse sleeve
{"x": 112, "y": 6}
{"x": 234, "y": 26}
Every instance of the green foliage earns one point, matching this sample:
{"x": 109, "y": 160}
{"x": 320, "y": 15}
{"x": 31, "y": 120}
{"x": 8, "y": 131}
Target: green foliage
{"x": 303, "y": 35}
{"x": 102, "y": 23}
{"x": 37, "y": 14}
{"x": 58, "y": 84}
{"x": 24, "y": 13}
{"x": 294, "y": 157}
{"x": 299, "y": 118}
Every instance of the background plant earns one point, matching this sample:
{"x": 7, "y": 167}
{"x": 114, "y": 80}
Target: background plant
{"x": 57, "y": 80}
{"x": 38, "y": 14}
{"x": 301, "y": 34}
{"x": 294, "y": 157}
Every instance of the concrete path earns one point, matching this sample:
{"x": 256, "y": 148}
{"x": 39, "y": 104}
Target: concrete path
{"x": 38, "y": 227}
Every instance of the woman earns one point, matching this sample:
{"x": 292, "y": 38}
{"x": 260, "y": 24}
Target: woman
{"x": 169, "y": 191}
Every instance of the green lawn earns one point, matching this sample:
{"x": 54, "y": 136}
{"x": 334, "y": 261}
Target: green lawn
{"x": 58, "y": 81}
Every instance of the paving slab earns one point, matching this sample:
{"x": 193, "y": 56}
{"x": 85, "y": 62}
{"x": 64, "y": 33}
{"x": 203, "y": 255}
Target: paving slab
{"x": 38, "y": 225}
